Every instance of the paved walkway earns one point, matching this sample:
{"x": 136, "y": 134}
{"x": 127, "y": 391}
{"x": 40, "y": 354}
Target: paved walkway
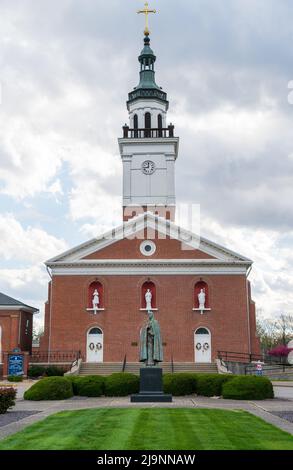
{"x": 283, "y": 389}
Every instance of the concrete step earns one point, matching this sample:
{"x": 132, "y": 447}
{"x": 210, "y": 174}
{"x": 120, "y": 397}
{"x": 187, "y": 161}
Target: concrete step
{"x": 112, "y": 367}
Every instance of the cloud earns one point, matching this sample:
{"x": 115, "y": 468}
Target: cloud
{"x": 26, "y": 245}
{"x": 65, "y": 71}
{"x": 272, "y": 271}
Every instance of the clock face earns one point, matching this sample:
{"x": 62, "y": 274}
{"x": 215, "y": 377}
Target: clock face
{"x": 148, "y": 167}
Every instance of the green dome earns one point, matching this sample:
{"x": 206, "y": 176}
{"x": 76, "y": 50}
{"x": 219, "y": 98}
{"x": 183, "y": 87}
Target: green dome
{"x": 147, "y": 87}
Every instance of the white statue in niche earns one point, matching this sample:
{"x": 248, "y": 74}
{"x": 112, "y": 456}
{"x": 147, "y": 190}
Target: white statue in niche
{"x": 202, "y": 299}
{"x": 96, "y": 300}
{"x": 148, "y": 299}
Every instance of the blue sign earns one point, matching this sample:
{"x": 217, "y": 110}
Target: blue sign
{"x": 15, "y": 364}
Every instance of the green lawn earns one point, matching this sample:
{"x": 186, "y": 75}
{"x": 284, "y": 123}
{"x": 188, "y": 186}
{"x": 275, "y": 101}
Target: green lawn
{"x": 150, "y": 429}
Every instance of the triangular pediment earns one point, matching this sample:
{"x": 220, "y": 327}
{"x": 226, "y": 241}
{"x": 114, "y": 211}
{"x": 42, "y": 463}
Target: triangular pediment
{"x": 172, "y": 242}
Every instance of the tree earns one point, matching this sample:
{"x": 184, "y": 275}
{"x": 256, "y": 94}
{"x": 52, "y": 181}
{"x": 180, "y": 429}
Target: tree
{"x": 37, "y": 333}
{"x": 273, "y": 333}
{"x": 285, "y": 328}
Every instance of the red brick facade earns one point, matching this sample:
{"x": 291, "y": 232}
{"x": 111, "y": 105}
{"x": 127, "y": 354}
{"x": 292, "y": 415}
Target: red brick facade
{"x": 16, "y": 330}
{"x": 231, "y": 320}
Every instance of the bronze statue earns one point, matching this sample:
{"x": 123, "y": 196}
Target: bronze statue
{"x": 151, "y": 349}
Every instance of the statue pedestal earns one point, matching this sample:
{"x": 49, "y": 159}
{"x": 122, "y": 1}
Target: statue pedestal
{"x": 151, "y": 387}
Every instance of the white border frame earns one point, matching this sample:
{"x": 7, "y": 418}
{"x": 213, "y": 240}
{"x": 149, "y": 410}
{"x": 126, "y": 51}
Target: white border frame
{"x": 146, "y": 243}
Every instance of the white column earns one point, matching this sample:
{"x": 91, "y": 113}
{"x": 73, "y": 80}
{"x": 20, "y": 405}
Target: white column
{"x": 170, "y": 160}
{"x": 126, "y": 179}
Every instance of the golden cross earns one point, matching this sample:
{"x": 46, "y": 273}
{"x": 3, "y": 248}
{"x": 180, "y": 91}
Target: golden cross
{"x": 146, "y": 12}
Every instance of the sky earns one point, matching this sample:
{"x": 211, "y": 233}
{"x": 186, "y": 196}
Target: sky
{"x": 66, "y": 68}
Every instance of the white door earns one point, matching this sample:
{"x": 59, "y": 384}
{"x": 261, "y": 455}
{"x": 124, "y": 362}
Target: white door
{"x": 95, "y": 345}
{"x": 202, "y": 345}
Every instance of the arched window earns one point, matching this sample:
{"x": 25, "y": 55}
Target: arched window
{"x": 201, "y": 295}
{"x": 147, "y": 124}
{"x": 95, "y": 331}
{"x": 95, "y": 295}
{"x": 160, "y": 125}
{"x": 202, "y": 331}
{"x": 160, "y": 121}
{"x": 148, "y": 288}
{"x": 135, "y": 121}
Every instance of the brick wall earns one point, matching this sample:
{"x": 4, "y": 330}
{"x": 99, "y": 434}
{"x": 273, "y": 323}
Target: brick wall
{"x": 122, "y": 319}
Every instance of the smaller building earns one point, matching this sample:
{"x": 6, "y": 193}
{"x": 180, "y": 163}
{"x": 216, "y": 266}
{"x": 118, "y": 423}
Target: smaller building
{"x": 16, "y": 325}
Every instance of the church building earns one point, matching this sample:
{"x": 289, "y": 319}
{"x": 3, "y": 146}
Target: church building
{"x": 100, "y": 291}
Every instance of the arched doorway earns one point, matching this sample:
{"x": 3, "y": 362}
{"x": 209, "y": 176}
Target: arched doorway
{"x": 95, "y": 345}
{"x": 202, "y": 345}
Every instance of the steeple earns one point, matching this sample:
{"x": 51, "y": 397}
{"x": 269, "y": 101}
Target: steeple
{"x": 147, "y": 87}
{"x": 148, "y": 147}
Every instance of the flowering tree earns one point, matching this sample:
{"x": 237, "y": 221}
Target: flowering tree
{"x": 280, "y": 351}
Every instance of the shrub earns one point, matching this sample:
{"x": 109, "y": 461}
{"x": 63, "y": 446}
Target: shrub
{"x": 179, "y": 384}
{"x": 36, "y": 371}
{"x": 88, "y": 386}
{"x": 121, "y": 384}
{"x": 210, "y": 385}
{"x": 50, "y": 388}
{"x": 7, "y": 398}
{"x": 15, "y": 378}
{"x": 54, "y": 371}
{"x": 248, "y": 388}
{"x": 73, "y": 379}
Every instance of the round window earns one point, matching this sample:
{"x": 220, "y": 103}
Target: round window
{"x": 148, "y": 248}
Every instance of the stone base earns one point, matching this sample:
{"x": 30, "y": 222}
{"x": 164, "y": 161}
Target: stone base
{"x": 151, "y": 398}
{"x": 151, "y": 387}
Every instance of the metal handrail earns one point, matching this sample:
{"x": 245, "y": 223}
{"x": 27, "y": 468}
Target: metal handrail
{"x": 54, "y": 356}
{"x": 234, "y": 356}
{"x": 124, "y": 363}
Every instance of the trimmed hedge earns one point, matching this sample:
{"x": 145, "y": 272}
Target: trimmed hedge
{"x": 248, "y": 388}
{"x": 121, "y": 384}
{"x": 73, "y": 379}
{"x": 54, "y": 371}
{"x": 15, "y": 378}
{"x": 180, "y": 384}
{"x": 7, "y": 399}
{"x": 210, "y": 385}
{"x": 88, "y": 386}
{"x": 36, "y": 371}
{"x": 50, "y": 388}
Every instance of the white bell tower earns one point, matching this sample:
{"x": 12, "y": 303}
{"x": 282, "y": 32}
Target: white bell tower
{"x": 148, "y": 148}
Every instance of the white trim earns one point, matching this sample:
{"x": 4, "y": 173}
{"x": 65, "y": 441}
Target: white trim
{"x": 87, "y": 343}
{"x": 18, "y": 307}
{"x": 210, "y": 343}
{"x": 142, "y": 261}
{"x": 136, "y": 225}
{"x": 146, "y": 243}
{"x": 149, "y": 266}
{"x": 202, "y": 310}
{"x": 146, "y": 310}
{"x": 92, "y": 327}
{"x": 149, "y": 141}
{"x": 95, "y": 309}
